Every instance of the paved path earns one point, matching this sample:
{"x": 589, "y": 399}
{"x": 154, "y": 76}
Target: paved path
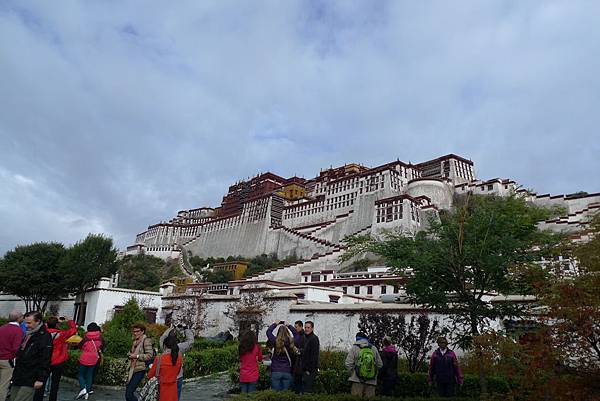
{"x": 208, "y": 389}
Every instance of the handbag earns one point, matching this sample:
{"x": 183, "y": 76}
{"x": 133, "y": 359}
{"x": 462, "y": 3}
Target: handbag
{"x": 151, "y": 390}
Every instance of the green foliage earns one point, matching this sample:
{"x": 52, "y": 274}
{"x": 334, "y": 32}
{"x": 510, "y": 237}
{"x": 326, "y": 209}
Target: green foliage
{"x": 203, "y": 343}
{"x": 289, "y": 396}
{"x": 256, "y": 265}
{"x": 140, "y": 272}
{"x": 87, "y": 261}
{"x": 211, "y": 360}
{"x": 468, "y": 253}
{"x": 34, "y": 274}
{"x": 113, "y": 371}
{"x": 117, "y": 332}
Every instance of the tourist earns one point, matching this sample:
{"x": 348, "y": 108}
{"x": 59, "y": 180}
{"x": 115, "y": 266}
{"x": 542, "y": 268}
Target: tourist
{"x": 10, "y": 340}
{"x": 250, "y": 355}
{"x": 299, "y": 338}
{"x": 141, "y": 352}
{"x": 90, "y": 354}
{"x": 59, "y": 356}
{"x": 183, "y": 348}
{"x": 389, "y": 372}
{"x": 169, "y": 366}
{"x": 363, "y": 362}
{"x": 32, "y": 360}
{"x": 444, "y": 370}
{"x": 281, "y": 360}
{"x": 310, "y": 357}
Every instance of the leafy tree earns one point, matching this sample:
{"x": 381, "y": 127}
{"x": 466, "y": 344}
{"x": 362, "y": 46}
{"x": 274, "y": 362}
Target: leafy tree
{"x": 117, "y": 332}
{"x": 88, "y": 261}
{"x": 378, "y": 325}
{"x": 33, "y": 273}
{"x": 217, "y": 276}
{"x": 140, "y": 272}
{"x": 466, "y": 255}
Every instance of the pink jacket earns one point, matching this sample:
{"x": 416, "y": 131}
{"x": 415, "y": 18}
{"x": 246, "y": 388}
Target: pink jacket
{"x": 90, "y": 347}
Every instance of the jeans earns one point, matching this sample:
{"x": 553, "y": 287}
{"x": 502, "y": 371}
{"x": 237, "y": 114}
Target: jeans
{"x": 132, "y": 385}
{"x": 179, "y": 385}
{"x": 86, "y": 376}
{"x": 56, "y": 374}
{"x": 248, "y": 387}
{"x": 281, "y": 381}
{"x": 21, "y": 393}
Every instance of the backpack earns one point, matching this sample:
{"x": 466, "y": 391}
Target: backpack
{"x": 365, "y": 364}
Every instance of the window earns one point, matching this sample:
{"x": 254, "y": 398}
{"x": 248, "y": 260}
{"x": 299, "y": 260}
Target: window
{"x": 369, "y": 290}
{"x": 345, "y": 290}
{"x": 490, "y": 187}
{"x": 356, "y": 290}
{"x": 383, "y": 289}
{"x": 396, "y": 289}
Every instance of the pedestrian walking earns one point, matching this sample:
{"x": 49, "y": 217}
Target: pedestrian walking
{"x": 310, "y": 357}
{"x": 389, "y": 372}
{"x": 141, "y": 352}
{"x": 90, "y": 353}
{"x": 183, "y": 346}
{"x": 362, "y": 362}
{"x": 59, "y": 356}
{"x": 250, "y": 355}
{"x": 281, "y": 360}
{"x": 33, "y": 359}
{"x": 444, "y": 370}
{"x": 169, "y": 365}
{"x": 10, "y": 340}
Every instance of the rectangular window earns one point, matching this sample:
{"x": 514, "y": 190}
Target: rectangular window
{"x": 345, "y": 290}
{"x": 383, "y": 289}
{"x": 356, "y": 290}
{"x": 369, "y": 290}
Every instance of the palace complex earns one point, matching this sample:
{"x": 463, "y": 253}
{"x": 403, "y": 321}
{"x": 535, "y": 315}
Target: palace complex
{"x": 308, "y": 218}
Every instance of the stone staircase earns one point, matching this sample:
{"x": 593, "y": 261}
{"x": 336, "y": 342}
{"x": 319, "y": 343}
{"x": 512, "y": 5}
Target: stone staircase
{"x": 292, "y": 272}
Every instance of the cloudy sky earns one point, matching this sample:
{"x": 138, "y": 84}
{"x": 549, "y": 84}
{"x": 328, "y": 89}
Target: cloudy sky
{"x": 116, "y": 114}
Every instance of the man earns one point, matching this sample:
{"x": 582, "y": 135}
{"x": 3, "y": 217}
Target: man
{"x": 59, "y": 355}
{"x": 444, "y": 369}
{"x": 299, "y": 338}
{"x": 310, "y": 357}
{"x": 33, "y": 359}
{"x": 10, "y": 339}
{"x": 183, "y": 348}
{"x": 363, "y": 362}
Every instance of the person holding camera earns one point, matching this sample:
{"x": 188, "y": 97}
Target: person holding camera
{"x": 284, "y": 352}
{"x": 182, "y": 346}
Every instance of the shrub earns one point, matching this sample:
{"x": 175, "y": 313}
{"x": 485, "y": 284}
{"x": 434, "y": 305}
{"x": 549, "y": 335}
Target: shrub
{"x": 113, "y": 371}
{"x": 203, "y": 343}
{"x": 289, "y": 396}
{"x": 205, "y": 362}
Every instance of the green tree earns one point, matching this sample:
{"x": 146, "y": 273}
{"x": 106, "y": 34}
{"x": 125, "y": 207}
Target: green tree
{"x": 88, "y": 261}
{"x": 117, "y": 332}
{"x": 140, "y": 272}
{"x": 465, "y": 256}
{"x": 33, "y": 273}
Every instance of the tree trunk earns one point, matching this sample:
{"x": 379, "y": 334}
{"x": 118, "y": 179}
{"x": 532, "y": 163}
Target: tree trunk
{"x": 479, "y": 354}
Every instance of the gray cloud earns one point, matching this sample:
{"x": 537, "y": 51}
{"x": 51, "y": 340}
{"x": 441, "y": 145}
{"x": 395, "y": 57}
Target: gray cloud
{"x": 116, "y": 115}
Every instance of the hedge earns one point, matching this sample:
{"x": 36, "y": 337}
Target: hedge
{"x": 113, "y": 371}
{"x": 333, "y": 379}
{"x": 289, "y": 396}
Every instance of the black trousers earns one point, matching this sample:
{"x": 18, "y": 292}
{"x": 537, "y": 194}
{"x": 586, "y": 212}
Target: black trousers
{"x": 308, "y": 381}
{"x": 388, "y": 386}
{"x": 56, "y": 371}
{"x": 446, "y": 389}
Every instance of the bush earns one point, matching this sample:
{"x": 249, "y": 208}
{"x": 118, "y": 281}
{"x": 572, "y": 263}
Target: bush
{"x": 208, "y": 361}
{"x": 113, "y": 371}
{"x": 203, "y": 343}
{"x": 289, "y": 396}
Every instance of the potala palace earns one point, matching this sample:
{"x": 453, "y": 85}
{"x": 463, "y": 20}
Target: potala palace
{"x": 309, "y": 218}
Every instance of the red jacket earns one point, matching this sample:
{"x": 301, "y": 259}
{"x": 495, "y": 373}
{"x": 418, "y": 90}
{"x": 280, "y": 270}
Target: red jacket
{"x": 11, "y": 336}
{"x": 59, "y": 344}
{"x": 90, "y": 346}
{"x": 249, "y": 365}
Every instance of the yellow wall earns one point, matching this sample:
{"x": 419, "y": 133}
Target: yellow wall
{"x": 237, "y": 268}
{"x": 292, "y": 192}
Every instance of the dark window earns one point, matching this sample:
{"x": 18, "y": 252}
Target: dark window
{"x": 79, "y": 315}
{"x": 357, "y": 290}
{"x": 150, "y": 315}
{"x": 396, "y": 289}
{"x": 383, "y": 289}
{"x": 369, "y": 290}
{"x": 345, "y": 290}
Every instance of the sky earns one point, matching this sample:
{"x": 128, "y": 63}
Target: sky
{"x": 114, "y": 115}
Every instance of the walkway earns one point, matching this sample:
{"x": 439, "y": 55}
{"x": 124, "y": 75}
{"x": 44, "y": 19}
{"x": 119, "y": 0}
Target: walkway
{"x": 207, "y": 389}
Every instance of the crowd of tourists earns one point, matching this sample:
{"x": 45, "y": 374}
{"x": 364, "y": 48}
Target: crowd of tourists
{"x": 293, "y": 361}
{"x": 33, "y": 354}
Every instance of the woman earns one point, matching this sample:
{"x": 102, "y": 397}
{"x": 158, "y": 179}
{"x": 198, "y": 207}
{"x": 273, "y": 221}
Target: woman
{"x": 281, "y": 361}
{"x": 389, "y": 372}
{"x": 170, "y": 365}
{"x": 90, "y": 353}
{"x": 141, "y": 351}
{"x": 250, "y": 355}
